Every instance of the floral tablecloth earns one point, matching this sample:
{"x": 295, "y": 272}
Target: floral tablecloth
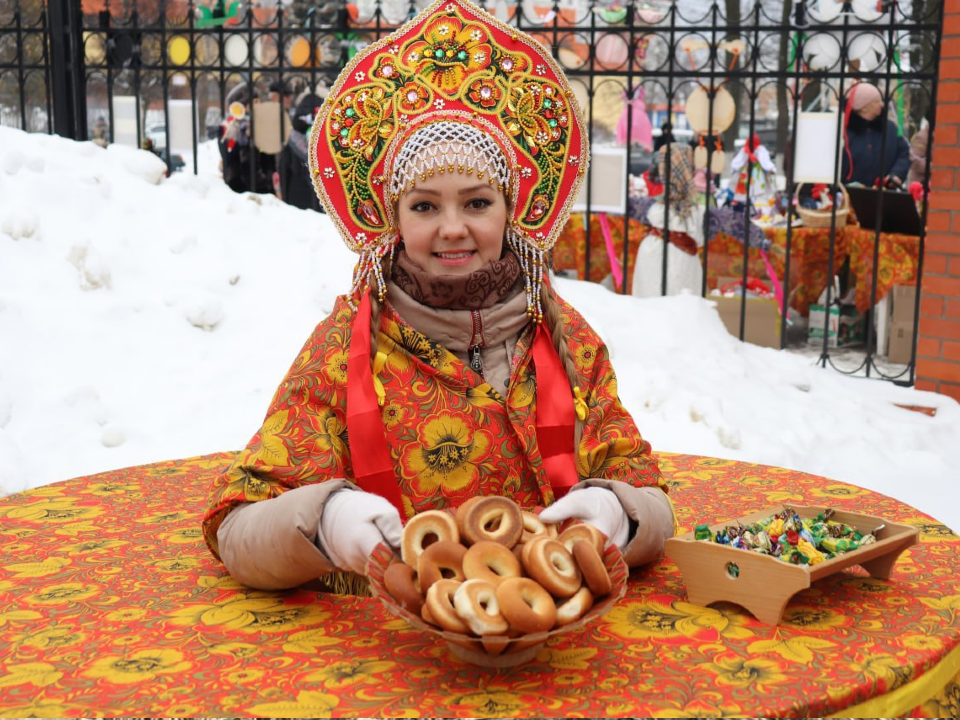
{"x": 110, "y": 604}
{"x": 898, "y": 257}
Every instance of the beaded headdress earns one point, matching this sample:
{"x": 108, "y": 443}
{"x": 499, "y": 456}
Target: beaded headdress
{"x": 453, "y": 90}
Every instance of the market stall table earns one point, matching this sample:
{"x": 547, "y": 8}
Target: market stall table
{"x": 110, "y": 604}
{"x": 898, "y": 257}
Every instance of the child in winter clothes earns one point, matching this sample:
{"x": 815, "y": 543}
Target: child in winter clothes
{"x": 448, "y": 154}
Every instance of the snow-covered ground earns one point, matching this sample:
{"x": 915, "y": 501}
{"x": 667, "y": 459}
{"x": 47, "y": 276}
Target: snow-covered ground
{"x": 145, "y": 318}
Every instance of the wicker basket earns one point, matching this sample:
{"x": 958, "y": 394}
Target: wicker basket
{"x": 821, "y": 218}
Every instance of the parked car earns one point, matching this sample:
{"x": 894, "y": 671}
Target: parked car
{"x": 156, "y": 134}
{"x": 175, "y": 163}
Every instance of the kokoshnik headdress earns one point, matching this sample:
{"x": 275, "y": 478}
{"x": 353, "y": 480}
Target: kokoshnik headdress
{"x": 453, "y": 90}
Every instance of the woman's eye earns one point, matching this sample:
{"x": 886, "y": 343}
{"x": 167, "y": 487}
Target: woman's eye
{"x": 479, "y": 204}
{"x": 422, "y": 206}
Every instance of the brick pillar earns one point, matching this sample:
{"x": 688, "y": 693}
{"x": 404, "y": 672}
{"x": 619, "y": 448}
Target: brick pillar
{"x": 938, "y": 342}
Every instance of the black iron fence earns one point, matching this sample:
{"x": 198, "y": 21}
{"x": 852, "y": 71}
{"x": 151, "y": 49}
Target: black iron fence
{"x": 721, "y": 77}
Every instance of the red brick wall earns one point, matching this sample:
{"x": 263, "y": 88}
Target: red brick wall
{"x": 938, "y": 344}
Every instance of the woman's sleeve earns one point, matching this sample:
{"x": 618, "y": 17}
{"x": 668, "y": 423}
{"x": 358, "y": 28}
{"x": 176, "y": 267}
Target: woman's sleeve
{"x": 901, "y": 165}
{"x": 303, "y": 439}
{"x": 613, "y": 454}
{"x": 272, "y": 544}
{"x": 611, "y": 445}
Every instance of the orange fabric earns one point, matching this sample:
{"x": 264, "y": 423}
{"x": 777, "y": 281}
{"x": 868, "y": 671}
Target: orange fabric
{"x": 450, "y": 434}
{"x": 111, "y": 605}
{"x": 809, "y": 258}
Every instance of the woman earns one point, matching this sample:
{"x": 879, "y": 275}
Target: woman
{"x": 447, "y": 154}
{"x": 874, "y": 153}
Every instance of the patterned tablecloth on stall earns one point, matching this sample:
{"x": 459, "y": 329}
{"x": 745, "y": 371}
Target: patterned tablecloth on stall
{"x": 110, "y": 604}
{"x": 897, "y": 257}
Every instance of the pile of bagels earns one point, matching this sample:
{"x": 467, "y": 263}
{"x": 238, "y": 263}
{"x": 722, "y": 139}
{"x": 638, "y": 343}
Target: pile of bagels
{"x": 491, "y": 568}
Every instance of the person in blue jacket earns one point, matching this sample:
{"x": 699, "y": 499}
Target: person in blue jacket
{"x": 874, "y": 153}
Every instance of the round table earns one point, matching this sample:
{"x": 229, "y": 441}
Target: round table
{"x": 110, "y": 604}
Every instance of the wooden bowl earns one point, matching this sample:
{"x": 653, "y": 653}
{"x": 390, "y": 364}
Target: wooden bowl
{"x": 495, "y": 651}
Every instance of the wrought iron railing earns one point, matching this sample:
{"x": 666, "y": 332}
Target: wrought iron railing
{"x": 163, "y": 70}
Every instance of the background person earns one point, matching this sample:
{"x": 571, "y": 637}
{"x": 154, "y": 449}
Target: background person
{"x": 296, "y": 186}
{"x": 244, "y": 167}
{"x": 868, "y": 135}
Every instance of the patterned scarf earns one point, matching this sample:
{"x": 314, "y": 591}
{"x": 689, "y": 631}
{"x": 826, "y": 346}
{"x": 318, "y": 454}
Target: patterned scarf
{"x": 683, "y": 189}
{"x": 482, "y": 288}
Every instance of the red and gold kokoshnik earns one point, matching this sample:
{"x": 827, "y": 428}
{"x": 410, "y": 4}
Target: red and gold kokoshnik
{"x": 453, "y": 62}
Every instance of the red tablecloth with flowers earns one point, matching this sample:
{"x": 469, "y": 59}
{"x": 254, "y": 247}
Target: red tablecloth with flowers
{"x": 897, "y": 257}
{"x": 111, "y": 605}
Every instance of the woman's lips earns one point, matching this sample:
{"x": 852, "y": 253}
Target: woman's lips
{"x": 455, "y": 258}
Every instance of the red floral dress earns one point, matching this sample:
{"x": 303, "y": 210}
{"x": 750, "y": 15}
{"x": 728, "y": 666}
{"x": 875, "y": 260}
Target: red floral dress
{"x": 451, "y": 435}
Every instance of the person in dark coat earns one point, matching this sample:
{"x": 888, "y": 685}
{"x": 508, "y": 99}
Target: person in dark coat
{"x": 296, "y": 187}
{"x": 870, "y": 136}
{"x": 237, "y": 151}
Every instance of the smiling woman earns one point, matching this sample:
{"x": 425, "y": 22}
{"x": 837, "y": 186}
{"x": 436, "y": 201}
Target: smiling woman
{"x": 465, "y": 373}
{"x": 451, "y": 223}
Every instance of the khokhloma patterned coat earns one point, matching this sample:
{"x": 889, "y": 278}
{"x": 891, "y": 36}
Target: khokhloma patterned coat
{"x": 450, "y": 434}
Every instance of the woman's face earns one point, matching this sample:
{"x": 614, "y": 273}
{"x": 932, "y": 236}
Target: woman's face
{"x": 452, "y": 224}
{"x": 871, "y": 111}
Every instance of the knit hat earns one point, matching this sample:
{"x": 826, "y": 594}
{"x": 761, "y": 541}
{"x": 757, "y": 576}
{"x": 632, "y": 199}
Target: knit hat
{"x": 305, "y": 112}
{"x": 862, "y": 94}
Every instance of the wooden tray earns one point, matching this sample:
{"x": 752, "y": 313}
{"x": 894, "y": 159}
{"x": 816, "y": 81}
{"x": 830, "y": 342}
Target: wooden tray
{"x": 764, "y": 584}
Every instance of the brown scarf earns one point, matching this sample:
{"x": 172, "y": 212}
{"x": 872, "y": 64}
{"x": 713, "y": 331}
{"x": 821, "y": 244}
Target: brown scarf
{"x": 482, "y": 288}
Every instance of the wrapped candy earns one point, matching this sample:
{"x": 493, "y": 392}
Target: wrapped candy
{"x": 702, "y": 532}
{"x": 789, "y": 537}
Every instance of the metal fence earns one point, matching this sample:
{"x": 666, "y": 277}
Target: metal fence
{"x": 720, "y": 73}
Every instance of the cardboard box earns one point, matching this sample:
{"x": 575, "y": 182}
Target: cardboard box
{"x": 900, "y": 346}
{"x": 902, "y": 302}
{"x": 845, "y": 327}
{"x": 762, "y": 319}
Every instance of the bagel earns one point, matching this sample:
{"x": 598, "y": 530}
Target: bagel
{"x": 424, "y": 529}
{"x": 490, "y": 518}
{"x": 526, "y": 605}
{"x": 594, "y": 572}
{"x": 442, "y": 560}
{"x": 583, "y": 531}
{"x": 534, "y": 527}
{"x": 401, "y": 582}
{"x": 551, "y": 564}
{"x": 574, "y": 607}
{"x": 476, "y": 604}
{"x": 438, "y": 607}
{"x": 490, "y": 561}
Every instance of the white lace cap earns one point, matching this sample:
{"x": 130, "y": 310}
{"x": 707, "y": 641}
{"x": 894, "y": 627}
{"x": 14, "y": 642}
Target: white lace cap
{"x": 444, "y": 146}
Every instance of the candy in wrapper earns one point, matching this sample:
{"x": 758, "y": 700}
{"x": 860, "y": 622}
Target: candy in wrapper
{"x": 789, "y": 537}
{"x": 813, "y": 555}
{"x": 702, "y": 532}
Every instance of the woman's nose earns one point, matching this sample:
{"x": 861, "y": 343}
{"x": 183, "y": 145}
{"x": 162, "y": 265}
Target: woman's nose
{"x": 452, "y": 225}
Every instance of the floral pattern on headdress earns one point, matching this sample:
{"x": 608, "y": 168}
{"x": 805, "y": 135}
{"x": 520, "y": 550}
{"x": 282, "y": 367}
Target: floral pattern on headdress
{"x": 453, "y": 62}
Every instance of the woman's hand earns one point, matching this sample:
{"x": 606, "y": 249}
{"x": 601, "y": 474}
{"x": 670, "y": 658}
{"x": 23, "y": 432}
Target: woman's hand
{"x": 353, "y": 524}
{"x": 598, "y": 507}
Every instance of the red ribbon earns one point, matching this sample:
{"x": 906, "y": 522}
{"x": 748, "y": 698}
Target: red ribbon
{"x": 555, "y": 415}
{"x": 373, "y": 468}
